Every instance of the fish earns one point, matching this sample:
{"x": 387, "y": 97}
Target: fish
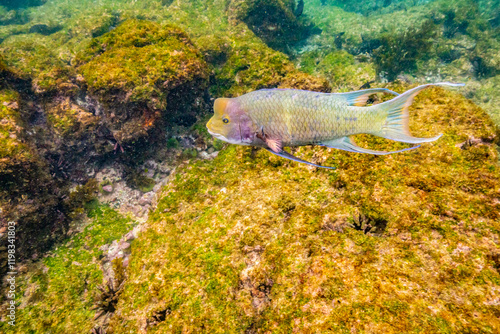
{"x": 278, "y": 118}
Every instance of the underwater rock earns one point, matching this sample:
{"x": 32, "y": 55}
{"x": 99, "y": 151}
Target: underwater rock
{"x": 108, "y": 188}
{"x": 34, "y": 57}
{"x": 29, "y": 195}
{"x": 44, "y": 29}
{"x": 340, "y": 68}
{"x": 144, "y": 74}
{"x": 275, "y": 21}
{"x": 252, "y": 65}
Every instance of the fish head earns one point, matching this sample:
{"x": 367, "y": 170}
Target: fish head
{"x": 230, "y": 123}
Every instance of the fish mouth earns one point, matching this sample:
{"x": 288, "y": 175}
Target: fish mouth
{"x": 221, "y": 137}
{"x": 217, "y": 135}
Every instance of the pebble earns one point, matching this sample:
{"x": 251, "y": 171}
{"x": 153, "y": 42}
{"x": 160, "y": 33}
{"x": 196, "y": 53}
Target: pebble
{"x": 108, "y": 188}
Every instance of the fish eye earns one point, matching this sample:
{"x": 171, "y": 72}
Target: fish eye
{"x": 225, "y": 120}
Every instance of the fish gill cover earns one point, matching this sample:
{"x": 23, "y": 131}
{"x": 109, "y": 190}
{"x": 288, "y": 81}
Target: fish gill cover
{"x": 132, "y": 218}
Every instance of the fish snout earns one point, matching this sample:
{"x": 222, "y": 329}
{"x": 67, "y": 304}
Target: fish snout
{"x": 209, "y": 124}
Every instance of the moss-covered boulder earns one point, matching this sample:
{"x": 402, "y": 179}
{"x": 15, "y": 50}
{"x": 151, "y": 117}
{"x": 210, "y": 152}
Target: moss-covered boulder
{"x": 142, "y": 73}
{"x": 37, "y": 58}
{"x": 276, "y": 22}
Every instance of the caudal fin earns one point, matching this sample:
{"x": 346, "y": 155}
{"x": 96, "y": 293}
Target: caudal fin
{"x": 396, "y": 125}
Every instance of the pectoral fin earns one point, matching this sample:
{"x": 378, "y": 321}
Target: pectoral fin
{"x": 346, "y": 144}
{"x": 359, "y": 98}
{"x": 274, "y": 144}
{"x": 286, "y": 155}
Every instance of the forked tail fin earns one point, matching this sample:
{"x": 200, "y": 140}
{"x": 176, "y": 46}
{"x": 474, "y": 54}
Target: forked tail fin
{"x": 396, "y": 124}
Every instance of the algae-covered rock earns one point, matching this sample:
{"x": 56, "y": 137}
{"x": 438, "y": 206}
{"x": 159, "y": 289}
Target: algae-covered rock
{"x": 340, "y": 68}
{"x": 252, "y": 242}
{"x": 28, "y": 194}
{"x": 35, "y": 57}
{"x": 275, "y": 21}
{"x": 142, "y": 72}
{"x": 70, "y": 278}
{"x": 251, "y": 65}
{"x": 70, "y": 120}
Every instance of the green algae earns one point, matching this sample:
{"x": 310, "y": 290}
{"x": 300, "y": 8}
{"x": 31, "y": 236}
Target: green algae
{"x": 11, "y": 145}
{"x": 143, "y": 60}
{"x": 398, "y": 53}
{"x": 33, "y": 56}
{"x": 61, "y": 289}
{"x": 340, "y": 68}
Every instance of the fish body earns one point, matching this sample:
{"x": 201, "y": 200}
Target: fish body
{"x": 275, "y": 118}
{"x": 301, "y": 117}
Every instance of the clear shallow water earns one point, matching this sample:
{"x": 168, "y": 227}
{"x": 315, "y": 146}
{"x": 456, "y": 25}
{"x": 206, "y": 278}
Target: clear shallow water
{"x": 103, "y": 103}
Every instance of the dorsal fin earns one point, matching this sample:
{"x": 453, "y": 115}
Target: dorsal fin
{"x": 358, "y": 98}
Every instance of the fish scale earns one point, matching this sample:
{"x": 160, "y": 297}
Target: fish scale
{"x": 300, "y": 117}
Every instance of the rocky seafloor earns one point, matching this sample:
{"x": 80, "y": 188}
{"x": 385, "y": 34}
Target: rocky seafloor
{"x": 131, "y": 218}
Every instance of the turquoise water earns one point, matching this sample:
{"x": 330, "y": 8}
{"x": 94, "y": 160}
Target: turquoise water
{"x": 131, "y": 217}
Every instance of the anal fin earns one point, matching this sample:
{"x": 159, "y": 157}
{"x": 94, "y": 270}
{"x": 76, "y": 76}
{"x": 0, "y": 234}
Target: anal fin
{"x": 347, "y": 144}
{"x": 286, "y": 155}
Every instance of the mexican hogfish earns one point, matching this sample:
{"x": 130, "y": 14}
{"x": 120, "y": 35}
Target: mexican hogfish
{"x": 275, "y": 118}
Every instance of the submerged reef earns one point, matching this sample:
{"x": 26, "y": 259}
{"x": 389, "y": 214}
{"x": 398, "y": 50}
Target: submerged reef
{"x": 106, "y": 102}
{"x": 249, "y": 241}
